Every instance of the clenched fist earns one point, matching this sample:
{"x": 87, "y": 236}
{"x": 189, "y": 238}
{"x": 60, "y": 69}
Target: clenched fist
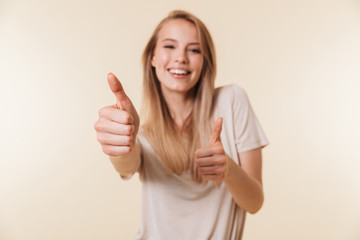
{"x": 212, "y": 161}
{"x": 118, "y": 124}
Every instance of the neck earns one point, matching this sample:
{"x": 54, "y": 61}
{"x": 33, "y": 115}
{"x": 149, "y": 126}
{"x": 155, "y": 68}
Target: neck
{"x": 180, "y": 106}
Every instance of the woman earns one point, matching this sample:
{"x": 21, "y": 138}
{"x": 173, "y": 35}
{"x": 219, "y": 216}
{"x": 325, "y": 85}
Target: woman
{"x": 198, "y": 151}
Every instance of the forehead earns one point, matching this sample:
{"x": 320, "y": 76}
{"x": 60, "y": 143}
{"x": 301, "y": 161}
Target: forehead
{"x": 179, "y": 30}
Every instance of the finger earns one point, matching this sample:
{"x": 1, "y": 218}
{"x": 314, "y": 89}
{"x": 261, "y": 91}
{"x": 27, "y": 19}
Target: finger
{"x": 118, "y": 90}
{"x": 216, "y": 160}
{"x": 215, "y": 137}
{"x": 113, "y": 127}
{"x": 205, "y": 162}
{"x": 209, "y": 151}
{"x": 209, "y": 170}
{"x": 113, "y": 139}
{"x": 116, "y": 115}
{"x": 116, "y": 150}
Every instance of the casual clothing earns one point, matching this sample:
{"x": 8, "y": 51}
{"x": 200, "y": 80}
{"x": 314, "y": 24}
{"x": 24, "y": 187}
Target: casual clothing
{"x": 176, "y": 207}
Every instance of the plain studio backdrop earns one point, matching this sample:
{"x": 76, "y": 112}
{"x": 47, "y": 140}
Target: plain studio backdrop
{"x": 299, "y": 62}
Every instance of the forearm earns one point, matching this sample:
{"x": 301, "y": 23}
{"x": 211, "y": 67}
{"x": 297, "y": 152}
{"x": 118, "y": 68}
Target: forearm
{"x": 127, "y": 164}
{"x": 247, "y": 192}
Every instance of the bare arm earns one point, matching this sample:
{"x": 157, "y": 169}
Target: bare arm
{"x": 116, "y": 131}
{"x": 127, "y": 164}
{"x": 245, "y": 181}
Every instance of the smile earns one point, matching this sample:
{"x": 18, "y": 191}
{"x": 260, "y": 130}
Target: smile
{"x": 178, "y": 71}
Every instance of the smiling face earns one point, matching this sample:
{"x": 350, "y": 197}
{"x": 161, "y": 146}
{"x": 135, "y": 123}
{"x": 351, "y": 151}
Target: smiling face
{"x": 177, "y": 57}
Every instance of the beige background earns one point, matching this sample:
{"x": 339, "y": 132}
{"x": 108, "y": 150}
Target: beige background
{"x": 299, "y": 62}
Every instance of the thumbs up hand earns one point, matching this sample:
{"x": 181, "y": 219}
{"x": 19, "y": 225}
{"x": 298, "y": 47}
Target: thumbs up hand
{"x": 212, "y": 160}
{"x": 118, "y": 124}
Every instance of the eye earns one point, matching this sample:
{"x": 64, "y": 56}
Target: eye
{"x": 169, "y": 46}
{"x": 194, "y": 50}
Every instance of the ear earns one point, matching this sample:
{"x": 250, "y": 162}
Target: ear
{"x": 153, "y": 63}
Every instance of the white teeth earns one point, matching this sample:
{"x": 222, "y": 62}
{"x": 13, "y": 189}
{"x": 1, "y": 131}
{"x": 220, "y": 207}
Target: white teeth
{"x": 178, "y": 71}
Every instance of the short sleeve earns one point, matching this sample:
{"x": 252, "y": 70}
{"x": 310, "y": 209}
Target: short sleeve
{"x": 247, "y": 129}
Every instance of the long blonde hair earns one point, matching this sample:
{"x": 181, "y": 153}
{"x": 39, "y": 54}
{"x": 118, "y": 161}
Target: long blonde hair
{"x": 177, "y": 154}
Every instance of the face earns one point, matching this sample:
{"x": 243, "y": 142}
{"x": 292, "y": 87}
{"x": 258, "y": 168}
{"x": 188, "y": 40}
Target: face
{"x": 177, "y": 57}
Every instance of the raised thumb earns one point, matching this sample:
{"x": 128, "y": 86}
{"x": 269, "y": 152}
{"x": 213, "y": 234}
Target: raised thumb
{"x": 215, "y": 137}
{"x": 118, "y": 90}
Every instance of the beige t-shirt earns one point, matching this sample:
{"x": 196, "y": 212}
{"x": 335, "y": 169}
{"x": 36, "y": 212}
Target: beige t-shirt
{"x": 175, "y": 207}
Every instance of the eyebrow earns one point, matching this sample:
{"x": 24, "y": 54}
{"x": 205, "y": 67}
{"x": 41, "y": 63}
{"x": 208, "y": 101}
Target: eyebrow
{"x": 173, "y": 40}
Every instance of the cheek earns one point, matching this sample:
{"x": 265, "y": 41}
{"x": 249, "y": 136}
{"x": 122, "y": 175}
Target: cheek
{"x": 161, "y": 58}
{"x": 165, "y": 58}
{"x": 198, "y": 64}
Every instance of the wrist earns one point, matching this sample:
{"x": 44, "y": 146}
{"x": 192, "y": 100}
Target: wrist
{"x": 229, "y": 169}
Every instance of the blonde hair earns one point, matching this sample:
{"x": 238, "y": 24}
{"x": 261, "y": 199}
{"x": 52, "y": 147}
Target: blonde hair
{"x": 177, "y": 154}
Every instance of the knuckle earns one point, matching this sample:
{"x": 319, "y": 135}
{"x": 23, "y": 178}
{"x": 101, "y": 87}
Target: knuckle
{"x": 100, "y": 138}
{"x": 102, "y": 112}
{"x": 106, "y": 150}
{"x": 128, "y": 140}
{"x": 98, "y": 126}
{"x": 128, "y": 118}
{"x": 129, "y": 129}
{"x": 127, "y": 149}
{"x": 220, "y": 160}
{"x": 220, "y": 150}
{"x": 132, "y": 129}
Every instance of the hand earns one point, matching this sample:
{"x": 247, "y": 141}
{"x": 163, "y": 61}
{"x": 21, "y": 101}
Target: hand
{"x": 118, "y": 124}
{"x": 212, "y": 160}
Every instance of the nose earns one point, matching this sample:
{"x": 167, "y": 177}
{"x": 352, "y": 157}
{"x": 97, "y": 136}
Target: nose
{"x": 181, "y": 56}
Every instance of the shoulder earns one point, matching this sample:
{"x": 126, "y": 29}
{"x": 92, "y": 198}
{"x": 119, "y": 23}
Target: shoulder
{"x": 231, "y": 92}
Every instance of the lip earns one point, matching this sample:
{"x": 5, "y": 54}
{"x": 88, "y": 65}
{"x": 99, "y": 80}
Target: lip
{"x": 179, "y": 68}
{"x": 179, "y": 76}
